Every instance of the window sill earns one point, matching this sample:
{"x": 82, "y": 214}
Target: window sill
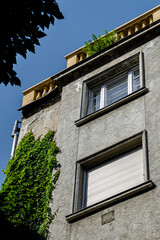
{"x": 112, "y": 200}
{"x": 111, "y": 107}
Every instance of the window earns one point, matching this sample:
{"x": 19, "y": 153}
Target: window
{"x": 113, "y": 89}
{"x": 113, "y": 176}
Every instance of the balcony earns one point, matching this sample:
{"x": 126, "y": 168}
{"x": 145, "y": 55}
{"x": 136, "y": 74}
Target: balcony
{"x": 38, "y": 91}
{"x": 43, "y": 88}
{"x": 126, "y": 29}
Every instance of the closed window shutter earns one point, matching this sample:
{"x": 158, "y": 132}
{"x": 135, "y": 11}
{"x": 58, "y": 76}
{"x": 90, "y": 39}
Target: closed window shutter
{"x": 114, "y": 176}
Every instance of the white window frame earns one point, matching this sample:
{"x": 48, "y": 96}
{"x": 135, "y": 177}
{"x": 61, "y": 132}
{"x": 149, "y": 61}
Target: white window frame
{"x": 103, "y": 89}
{"x": 101, "y": 77}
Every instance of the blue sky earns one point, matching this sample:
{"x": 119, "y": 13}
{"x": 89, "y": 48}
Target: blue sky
{"x": 82, "y": 18}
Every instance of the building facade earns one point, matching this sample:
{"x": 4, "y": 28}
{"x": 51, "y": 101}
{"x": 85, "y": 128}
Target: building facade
{"x": 105, "y": 111}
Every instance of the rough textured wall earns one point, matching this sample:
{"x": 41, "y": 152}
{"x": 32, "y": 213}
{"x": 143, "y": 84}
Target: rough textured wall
{"x": 41, "y": 121}
{"x": 135, "y": 218}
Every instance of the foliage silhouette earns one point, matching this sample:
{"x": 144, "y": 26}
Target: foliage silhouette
{"x": 9, "y": 231}
{"x": 22, "y": 25}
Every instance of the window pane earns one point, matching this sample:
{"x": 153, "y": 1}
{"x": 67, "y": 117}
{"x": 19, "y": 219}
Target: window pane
{"x": 94, "y": 100}
{"x": 114, "y": 176}
{"x": 136, "y": 80}
{"x": 116, "y": 89}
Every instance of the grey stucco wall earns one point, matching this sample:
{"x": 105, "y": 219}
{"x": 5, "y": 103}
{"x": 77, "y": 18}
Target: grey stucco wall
{"x": 42, "y": 121}
{"x": 135, "y": 218}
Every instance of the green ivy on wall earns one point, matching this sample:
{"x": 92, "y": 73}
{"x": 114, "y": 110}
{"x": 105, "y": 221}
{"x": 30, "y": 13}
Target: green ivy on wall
{"x": 100, "y": 42}
{"x": 27, "y": 190}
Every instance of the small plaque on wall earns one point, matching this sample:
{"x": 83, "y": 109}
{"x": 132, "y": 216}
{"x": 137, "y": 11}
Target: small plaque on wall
{"x": 107, "y": 217}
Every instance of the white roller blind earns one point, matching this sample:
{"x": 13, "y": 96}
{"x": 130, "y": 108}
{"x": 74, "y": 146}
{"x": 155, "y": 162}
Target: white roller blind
{"x": 114, "y": 176}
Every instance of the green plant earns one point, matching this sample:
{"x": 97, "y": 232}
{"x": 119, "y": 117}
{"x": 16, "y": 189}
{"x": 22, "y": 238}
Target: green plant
{"x": 23, "y": 26}
{"x": 101, "y": 42}
{"x": 27, "y": 190}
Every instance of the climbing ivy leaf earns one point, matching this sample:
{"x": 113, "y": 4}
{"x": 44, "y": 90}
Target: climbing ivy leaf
{"x": 27, "y": 189}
